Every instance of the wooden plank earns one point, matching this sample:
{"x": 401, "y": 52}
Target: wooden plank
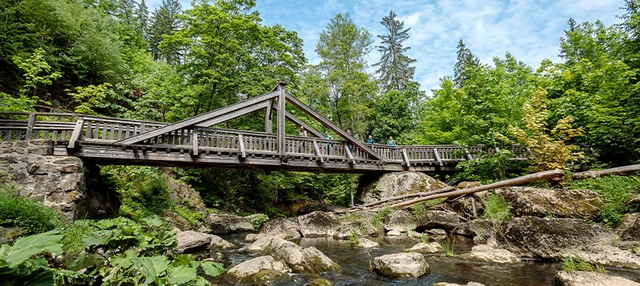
{"x": 243, "y": 152}
{"x": 435, "y": 153}
{"x": 324, "y": 121}
{"x": 317, "y": 152}
{"x": 194, "y": 142}
{"x": 268, "y": 117}
{"x": 348, "y": 152}
{"x": 233, "y": 115}
{"x": 30, "y": 124}
{"x": 405, "y": 157}
{"x": 195, "y": 120}
{"x": 75, "y": 136}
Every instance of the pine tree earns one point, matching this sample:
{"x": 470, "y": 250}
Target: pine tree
{"x": 466, "y": 60}
{"x": 395, "y": 69}
{"x": 164, "y": 21}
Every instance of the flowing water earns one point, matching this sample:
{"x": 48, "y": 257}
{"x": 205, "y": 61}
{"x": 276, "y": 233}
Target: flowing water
{"x": 355, "y": 265}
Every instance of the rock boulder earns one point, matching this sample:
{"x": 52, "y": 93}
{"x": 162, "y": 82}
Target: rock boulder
{"x": 226, "y": 223}
{"x": 410, "y": 264}
{"x": 246, "y": 270}
{"x": 319, "y": 224}
{"x": 400, "y": 220}
{"x": 281, "y": 227}
{"x": 437, "y": 219}
{"x": 629, "y": 228}
{"x": 529, "y": 201}
{"x": 581, "y": 278}
{"x": 374, "y": 187}
{"x": 551, "y": 238}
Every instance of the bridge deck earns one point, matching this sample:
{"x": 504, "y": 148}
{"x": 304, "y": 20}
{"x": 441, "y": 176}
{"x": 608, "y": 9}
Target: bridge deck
{"x": 96, "y": 138}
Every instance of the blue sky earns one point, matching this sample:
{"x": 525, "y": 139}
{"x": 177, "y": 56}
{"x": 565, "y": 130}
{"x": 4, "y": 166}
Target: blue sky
{"x": 530, "y": 30}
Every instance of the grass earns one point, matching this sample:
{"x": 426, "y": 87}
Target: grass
{"x": 448, "y": 245}
{"x": 497, "y": 209}
{"x": 353, "y": 239}
{"x": 616, "y": 192}
{"x": 578, "y": 263}
{"x": 258, "y": 220}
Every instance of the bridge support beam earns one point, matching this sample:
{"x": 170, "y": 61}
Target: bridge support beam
{"x": 281, "y": 119}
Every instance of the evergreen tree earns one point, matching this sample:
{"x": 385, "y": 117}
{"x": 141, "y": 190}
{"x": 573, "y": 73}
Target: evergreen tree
{"x": 164, "y": 21}
{"x": 395, "y": 69}
{"x": 466, "y": 60}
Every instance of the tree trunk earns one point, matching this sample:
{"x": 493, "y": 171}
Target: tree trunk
{"x": 617, "y": 171}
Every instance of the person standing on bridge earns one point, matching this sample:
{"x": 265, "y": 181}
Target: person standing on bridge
{"x": 370, "y": 139}
{"x": 391, "y": 142}
{"x": 302, "y": 133}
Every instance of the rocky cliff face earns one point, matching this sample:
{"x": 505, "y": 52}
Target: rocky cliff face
{"x": 59, "y": 182}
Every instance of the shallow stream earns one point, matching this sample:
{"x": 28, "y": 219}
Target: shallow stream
{"x": 355, "y": 265}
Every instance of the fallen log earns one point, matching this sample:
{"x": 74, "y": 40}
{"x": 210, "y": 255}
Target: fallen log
{"x": 546, "y": 175}
{"x": 403, "y": 197}
{"x": 607, "y": 172}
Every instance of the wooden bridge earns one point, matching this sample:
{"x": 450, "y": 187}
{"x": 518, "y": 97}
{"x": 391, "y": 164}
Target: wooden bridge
{"x": 194, "y": 143}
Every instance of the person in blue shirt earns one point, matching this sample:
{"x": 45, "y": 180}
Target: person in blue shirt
{"x": 391, "y": 142}
{"x": 370, "y": 139}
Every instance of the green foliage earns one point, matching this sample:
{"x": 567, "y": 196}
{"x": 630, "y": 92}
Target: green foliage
{"x": 497, "y": 208}
{"x": 448, "y": 245}
{"x": 137, "y": 255}
{"x": 378, "y": 219}
{"x": 343, "y": 48}
{"x": 616, "y": 191}
{"x": 488, "y": 168}
{"x": 192, "y": 216}
{"x": 25, "y": 261}
{"x": 578, "y": 263}
{"x": 258, "y": 220}
{"x": 354, "y": 239}
{"x": 549, "y": 148}
{"x": 26, "y": 213}
{"x": 418, "y": 210}
{"x": 143, "y": 191}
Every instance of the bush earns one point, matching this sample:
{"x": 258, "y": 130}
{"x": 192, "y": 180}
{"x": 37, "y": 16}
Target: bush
{"x": 32, "y": 216}
{"x": 616, "y": 191}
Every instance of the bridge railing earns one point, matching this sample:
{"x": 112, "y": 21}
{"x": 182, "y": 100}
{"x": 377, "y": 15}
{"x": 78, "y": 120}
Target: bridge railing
{"x": 36, "y": 126}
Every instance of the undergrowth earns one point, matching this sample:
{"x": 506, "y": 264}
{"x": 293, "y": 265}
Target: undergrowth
{"x": 578, "y": 263}
{"x": 30, "y": 215}
{"x": 616, "y": 191}
{"x": 497, "y": 208}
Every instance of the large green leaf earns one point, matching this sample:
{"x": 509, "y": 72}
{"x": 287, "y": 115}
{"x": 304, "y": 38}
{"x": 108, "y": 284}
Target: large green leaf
{"x": 153, "y": 267}
{"x": 212, "y": 268}
{"x": 25, "y": 247}
{"x": 181, "y": 274}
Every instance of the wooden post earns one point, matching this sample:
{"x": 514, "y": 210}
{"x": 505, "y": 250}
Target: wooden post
{"x": 316, "y": 149}
{"x": 281, "y": 119}
{"x": 348, "y": 152}
{"x": 75, "y": 136}
{"x": 405, "y": 157}
{"x": 268, "y": 117}
{"x": 435, "y": 153}
{"x": 194, "y": 141}
{"x": 32, "y": 122}
{"x": 243, "y": 152}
